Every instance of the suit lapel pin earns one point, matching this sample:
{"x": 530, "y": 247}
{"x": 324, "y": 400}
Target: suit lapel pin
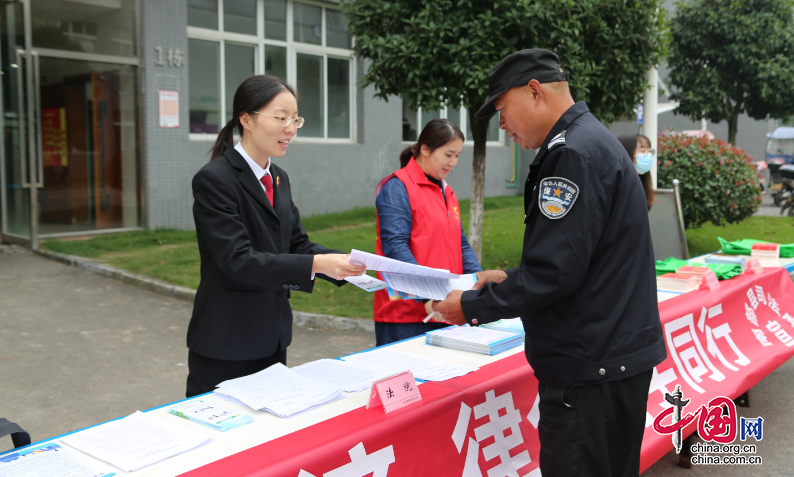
{"x": 278, "y": 179}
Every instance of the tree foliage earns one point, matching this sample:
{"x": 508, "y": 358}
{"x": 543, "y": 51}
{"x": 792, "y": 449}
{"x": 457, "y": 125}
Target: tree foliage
{"x": 729, "y": 57}
{"x": 433, "y": 53}
{"x": 718, "y": 182}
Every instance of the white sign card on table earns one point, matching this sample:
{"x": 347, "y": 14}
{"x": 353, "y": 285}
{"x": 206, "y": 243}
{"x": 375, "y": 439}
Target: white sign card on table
{"x": 394, "y": 392}
{"x": 754, "y": 265}
{"x": 710, "y": 281}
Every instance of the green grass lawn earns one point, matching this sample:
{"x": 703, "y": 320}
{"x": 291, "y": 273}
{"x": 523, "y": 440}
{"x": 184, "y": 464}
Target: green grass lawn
{"x": 172, "y": 255}
{"x": 771, "y": 229}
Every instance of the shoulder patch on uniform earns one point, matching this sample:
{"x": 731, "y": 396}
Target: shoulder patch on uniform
{"x": 556, "y": 196}
{"x": 557, "y": 140}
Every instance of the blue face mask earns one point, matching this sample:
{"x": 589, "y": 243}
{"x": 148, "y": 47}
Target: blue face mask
{"x": 644, "y": 162}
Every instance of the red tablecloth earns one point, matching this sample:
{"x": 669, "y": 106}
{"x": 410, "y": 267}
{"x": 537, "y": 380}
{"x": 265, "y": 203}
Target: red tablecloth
{"x": 720, "y": 343}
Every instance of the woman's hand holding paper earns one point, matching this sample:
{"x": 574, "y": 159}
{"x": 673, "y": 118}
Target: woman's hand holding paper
{"x": 336, "y": 266}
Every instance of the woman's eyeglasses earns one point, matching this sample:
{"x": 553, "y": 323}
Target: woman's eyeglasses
{"x": 285, "y": 121}
{"x": 641, "y": 150}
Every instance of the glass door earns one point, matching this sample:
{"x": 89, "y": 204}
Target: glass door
{"x": 89, "y": 154}
{"x": 20, "y": 165}
{"x": 69, "y": 157}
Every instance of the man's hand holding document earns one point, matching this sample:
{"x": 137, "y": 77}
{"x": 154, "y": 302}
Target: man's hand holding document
{"x": 424, "y": 282}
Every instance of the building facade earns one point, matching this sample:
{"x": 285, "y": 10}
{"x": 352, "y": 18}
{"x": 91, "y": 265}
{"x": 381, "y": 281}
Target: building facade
{"x": 109, "y": 108}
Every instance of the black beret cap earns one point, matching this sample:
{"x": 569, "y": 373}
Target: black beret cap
{"x": 517, "y": 69}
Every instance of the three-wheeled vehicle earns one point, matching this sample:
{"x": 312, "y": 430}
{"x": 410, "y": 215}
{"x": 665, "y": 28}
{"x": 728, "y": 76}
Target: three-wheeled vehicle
{"x": 779, "y": 151}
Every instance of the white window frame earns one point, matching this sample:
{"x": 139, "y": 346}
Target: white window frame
{"x": 464, "y": 119}
{"x": 293, "y": 48}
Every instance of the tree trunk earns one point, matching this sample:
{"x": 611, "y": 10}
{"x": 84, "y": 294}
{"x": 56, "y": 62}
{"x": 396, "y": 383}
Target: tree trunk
{"x": 479, "y": 129}
{"x": 733, "y": 126}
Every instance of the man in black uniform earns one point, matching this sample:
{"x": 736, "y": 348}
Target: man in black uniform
{"x": 586, "y": 285}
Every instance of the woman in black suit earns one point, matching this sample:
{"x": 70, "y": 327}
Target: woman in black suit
{"x": 254, "y": 251}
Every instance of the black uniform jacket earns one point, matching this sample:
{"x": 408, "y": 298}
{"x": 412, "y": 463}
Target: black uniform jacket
{"x": 252, "y": 256}
{"x": 585, "y": 288}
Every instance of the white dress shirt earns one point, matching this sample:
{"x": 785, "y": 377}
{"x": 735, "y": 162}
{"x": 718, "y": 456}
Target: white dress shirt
{"x": 258, "y": 171}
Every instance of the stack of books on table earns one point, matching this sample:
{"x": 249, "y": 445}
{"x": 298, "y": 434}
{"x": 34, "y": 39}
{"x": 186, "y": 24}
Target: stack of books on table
{"x": 765, "y": 250}
{"x": 477, "y": 340}
{"x": 678, "y": 282}
{"x": 279, "y": 391}
{"x": 694, "y": 271}
{"x": 211, "y": 415}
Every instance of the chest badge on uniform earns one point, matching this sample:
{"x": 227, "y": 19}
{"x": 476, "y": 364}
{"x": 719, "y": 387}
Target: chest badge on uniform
{"x": 557, "y": 196}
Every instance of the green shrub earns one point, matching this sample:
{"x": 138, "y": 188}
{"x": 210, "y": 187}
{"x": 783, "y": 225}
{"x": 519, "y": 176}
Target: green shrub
{"x": 718, "y": 182}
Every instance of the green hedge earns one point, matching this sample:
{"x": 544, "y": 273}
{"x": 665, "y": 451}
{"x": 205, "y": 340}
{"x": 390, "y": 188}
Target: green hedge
{"x": 718, "y": 182}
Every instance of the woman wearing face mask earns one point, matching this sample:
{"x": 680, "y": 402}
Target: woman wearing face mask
{"x": 254, "y": 251}
{"x": 639, "y": 149}
{"x": 419, "y": 223}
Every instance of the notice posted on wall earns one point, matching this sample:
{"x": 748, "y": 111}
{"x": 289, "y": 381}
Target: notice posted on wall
{"x": 169, "y": 109}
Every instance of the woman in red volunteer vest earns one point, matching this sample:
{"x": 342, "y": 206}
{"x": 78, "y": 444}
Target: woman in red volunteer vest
{"x": 419, "y": 222}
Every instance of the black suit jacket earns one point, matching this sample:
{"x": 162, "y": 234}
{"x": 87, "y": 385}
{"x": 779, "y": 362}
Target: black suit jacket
{"x": 252, "y": 256}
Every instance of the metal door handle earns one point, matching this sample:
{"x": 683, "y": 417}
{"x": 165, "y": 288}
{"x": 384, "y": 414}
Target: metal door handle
{"x": 38, "y": 131}
{"x": 21, "y": 119}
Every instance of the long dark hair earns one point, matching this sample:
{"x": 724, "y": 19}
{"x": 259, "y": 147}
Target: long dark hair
{"x": 629, "y": 142}
{"x": 435, "y": 134}
{"x": 252, "y": 95}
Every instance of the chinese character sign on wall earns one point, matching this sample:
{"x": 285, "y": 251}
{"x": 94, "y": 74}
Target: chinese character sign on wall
{"x": 53, "y": 137}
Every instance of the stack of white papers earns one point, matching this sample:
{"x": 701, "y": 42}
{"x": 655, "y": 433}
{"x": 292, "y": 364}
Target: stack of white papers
{"x": 136, "y": 441}
{"x": 422, "y": 367}
{"x": 415, "y": 280}
{"x": 280, "y": 391}
{"x": 352, "y": 377}
{"x": 477, "y": 340}
{"x": 429, "y": 287}
{"x": 385, "y": 264}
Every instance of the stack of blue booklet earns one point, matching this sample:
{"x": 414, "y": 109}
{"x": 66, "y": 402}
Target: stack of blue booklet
{"x": 507, "y": 324}
{"x": 477, "y": 340}
{"x": 211, "y": 415}
{"x": 725, "y": 260}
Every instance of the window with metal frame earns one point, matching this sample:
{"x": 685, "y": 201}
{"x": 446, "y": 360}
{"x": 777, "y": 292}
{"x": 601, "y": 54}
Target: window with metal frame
{"x": 414, "y": 121}
{"x": 303, "y": 42}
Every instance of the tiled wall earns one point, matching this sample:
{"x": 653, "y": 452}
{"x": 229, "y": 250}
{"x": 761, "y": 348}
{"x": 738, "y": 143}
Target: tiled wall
{"x": 324, "y": 177}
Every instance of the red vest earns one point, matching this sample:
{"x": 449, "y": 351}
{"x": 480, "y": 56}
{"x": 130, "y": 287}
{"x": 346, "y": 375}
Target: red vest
{"x": 434, "y": 242}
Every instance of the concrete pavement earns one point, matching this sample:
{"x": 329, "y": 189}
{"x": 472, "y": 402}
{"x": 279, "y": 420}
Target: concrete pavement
{"x": 77, "y": 349}
{"x": 768, "y": 207}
